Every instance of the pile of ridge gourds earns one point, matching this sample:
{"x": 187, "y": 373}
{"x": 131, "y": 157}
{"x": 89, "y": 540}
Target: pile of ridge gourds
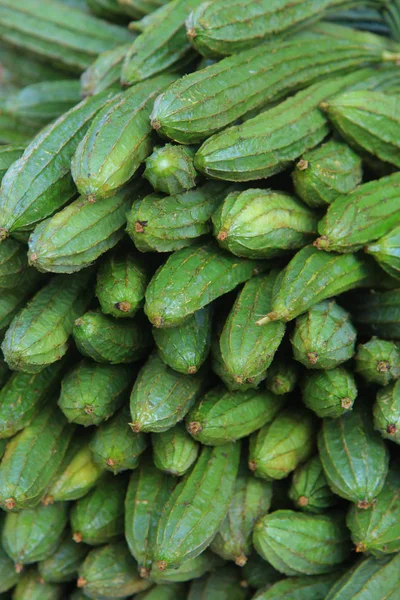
{"x": 200, "y": 300}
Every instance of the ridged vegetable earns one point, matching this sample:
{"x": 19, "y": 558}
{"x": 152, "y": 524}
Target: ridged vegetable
{"x": 170, "y": 169}
{"x": 34, "y": 534}
{"x": 174, "y": 450}
{"x": 377, "y": 313}
{"x": 354, "y": 457}
{"x": 377, "y": 530}
{"x": 166, "y": 223}
{"x": 79, "y": 473}
{"x": 268, "y": 143}
{"x": 91, "y": 393}
{"x": 378, "y": 361}
{"x": 251, "y": 500}
{"x": 386, "y": 251}
{"x": 281, "y": 377}
{"x": 327, "y": 172}
{"x": 115, "y": 446}
{"x": 297, "y": 543}
{"x": 148, "y": 491}
{"x": 117, "y": 141}
{"x": 324, "y": 336}
{"x": 51, "y": 32}
{"x": 33, "y": 587}
{"x": 98, "y": 517}
{"x": 194, "y": 512}
{"x": 246, "y": 349}
{"x": 299, "y": 588}
{"x": 185, "y": 348}
{"x": 263, "y": 224}
{"x": 369, "y": 121}
{"x": 215, "y": 30}
{"x": 312, "y": 276}
{"x": 329, "y": 393}
{"x": 206, "y": 101}
{"x": 64, "y": 563}
{"x": 161, "y": 397}
{"x": 107, "y": 340}
{"x": 32, "y": 459}
{"x": 38, "y": 336}
{"x": 374, "y": 205}
{"x": 376, "y": 577}
{"x": 110, "y": 571}
{"x": 192, "y": 568}
{"x": 24, "y": 395}
{"x": 223, "y": 585}
{"x": 77, "y": 235}
{"x": 14, "y": 269}
{"x": 309, "y": 490}
{"x": 122, "y": 279}
{"x": 175, "y": 293}
{"x": 104, "y": 72}
{"x": 387, "y": 412}
{"x": 25, "y": 198}
{"x": 278, "y": 447}
{"x": 161, "y": 46}
{"x": 222, "y": 416}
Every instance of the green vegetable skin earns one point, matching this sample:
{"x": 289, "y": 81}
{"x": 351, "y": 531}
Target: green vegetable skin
{"x": 25, "y": 198}
{"x": 174, "y": 294}
{"x": 206, "y": 101}
{"x": 215, "y": 30}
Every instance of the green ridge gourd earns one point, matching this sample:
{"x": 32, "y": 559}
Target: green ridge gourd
{"x": 312, "y": 276}
{"x": 215, "y": 30}
{"x": 386, "y": 251}
{"x": 222, "y": 416}
{"x": 77, "y": 235}
{"x": 369, "y": 121}
{"x": 185, "y": 348}
{"x": 373, "y": 206}
{"x": 190, "y": 279}
{"x": 38, "y": 336}
{"x": 354, "y": 457}
{"x": 278, "y": 447}
{"x": 111, "y": 341}
{"x": 122, "y": 279}
{"x": 197, "y": 506}
{"x": 378, "y": 361}
{"x": 98, "y": 517}
{"x": 174, "y": 450}
{"x": 32, "y": 459}
{"x": 91, "y": 392}
{"x": 246, "y": 349}
{"x": 309, "y": 489}
{"x": 161, "y": 46}
{"x": 64, "y": 563}
{"x": 161, "y": 397}
{"x": 170, "y": 169}
{"x": 206, "y": 101}
{"x": 251, "y": 500}
{"x": 25, "y": 198}
{"x": 324, "y": 337}
{"x": 386, "y": 412}
{"x": 114, "y": 446}
{"x": 328, "y": 171}
{"x": 283, "y": 539}
{"x": 263, "y": 224}
{"x": 377, "y": 529}
{"x": 158, "y": 223}
{"x": 329, "y": 393}
{"x": 117, "y": 141}
{"x": 148, "y": 491}
{"x": 268, "y": 143}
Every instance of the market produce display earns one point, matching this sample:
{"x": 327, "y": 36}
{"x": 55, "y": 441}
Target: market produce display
{"x": 199, "y": 299}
